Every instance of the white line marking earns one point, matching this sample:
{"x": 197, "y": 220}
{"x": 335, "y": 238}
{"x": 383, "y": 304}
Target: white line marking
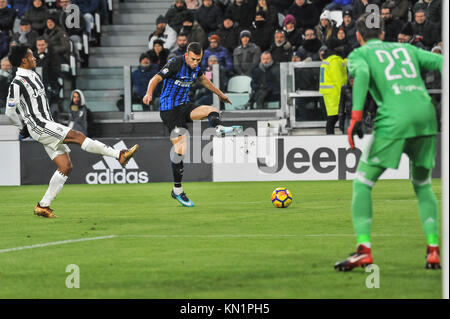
{"x": 55, "y": 243}
{"x": 206, "y": 236}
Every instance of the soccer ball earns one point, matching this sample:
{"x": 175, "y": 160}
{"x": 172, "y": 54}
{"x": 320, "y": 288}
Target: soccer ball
{"x": 281, "y": 197}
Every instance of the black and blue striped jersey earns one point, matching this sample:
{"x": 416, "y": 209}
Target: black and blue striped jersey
{"x": 178, "y": 78}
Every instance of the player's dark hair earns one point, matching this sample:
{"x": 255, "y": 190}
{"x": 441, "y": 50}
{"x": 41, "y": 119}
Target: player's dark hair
{"x": 195, "y": 48}
{"x": 367, "y": 26}
{"x": 17, "y": 53}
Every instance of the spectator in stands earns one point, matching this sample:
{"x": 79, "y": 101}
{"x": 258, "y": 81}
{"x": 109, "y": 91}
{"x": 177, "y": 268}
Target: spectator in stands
{"x": 57, "y": 38}
{"x": 7, "y": 16}
{"x": 392, "y": 27}
{"x": 182, "y": 43}
{"x": 281, "y": 49}
{"x": 79, "y": 113}
{"x": 20, "y": 6}
{"x": 203, "y": 96}
{"x": 350, "y": 28}
{"x": 270, "y": 11}
{"x": 399, "y": 8}
{"x": 222, "y": 54}
{"x": 208, "y": 16}
{"x": 333, "y": 72}
{"x": 360, "y": 7}
{"x": 293, "y": 35}
{"x": 141, "y": 77}
{"x": 4, "y": 44}
{"x": 176, "y": 14}
{"x": 262, "y": 31}
{"x": 88, "y": 9}
{"x": 37, "y": 15}
{"x": 433, "y": 9}
{"x": 265, "y": 82}
{"x": 326, "y": 28}
{"x": 159, "y": 55}
{"x": 50, "y": 67}
{"x": 229, "y": 34}
{"x": 240, "y": 11}
{"x": 246, "y": 56}
{"x": 429, "y": 32}
{"x": 406, "y": 33}
{"x": 192, "y": 5}
{"x": 6, "y": 78}
{"x": 282, "y": 6}
{"x": 311, "y": 45}
{"x": 342, "y": 44}
{"x": 223, "y": 5}
{"x": 193, "y": 30}
{"x": 305, "y": 14}
{"x": 342, "y": 5}
{"x": 26, "y": 35}
{"x": 75, "y": 34}
{"x": 163, "y": 32}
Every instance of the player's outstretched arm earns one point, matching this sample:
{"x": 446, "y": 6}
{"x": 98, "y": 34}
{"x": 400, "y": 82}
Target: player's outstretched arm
{"x": 428, "y": 60}
{"x": 210, "y": 86}
{"x": 151, "y": 87}
{"x": 11, "y": 105}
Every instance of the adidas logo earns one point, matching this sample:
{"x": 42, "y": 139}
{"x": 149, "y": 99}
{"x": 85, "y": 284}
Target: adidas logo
{"x": 109, "y": 171}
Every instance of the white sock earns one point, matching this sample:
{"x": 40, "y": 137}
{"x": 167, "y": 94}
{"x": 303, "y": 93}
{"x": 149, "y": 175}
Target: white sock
{"x": 177, "y": 190}
{"x": 56, "y": 184}
{"x": 97, "y": 147}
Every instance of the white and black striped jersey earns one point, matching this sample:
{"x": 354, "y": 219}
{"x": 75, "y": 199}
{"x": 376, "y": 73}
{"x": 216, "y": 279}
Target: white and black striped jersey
{"x": 27, "y": 95}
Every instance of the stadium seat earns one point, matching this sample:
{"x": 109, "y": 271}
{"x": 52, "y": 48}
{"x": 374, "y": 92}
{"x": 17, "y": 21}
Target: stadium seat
{"x": 239, "y": 84}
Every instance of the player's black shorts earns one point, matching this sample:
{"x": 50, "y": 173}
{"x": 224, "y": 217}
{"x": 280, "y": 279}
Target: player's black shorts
{"x": 178, "y": 116}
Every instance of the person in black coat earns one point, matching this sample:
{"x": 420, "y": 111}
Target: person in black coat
{"x": 26, "y": 35}
{"x": 305, "y": 14}
{"x": 158, "y": 55}
{"x": 229, "y": 34}
{"x": 262, "y": 32}
{"x": 241, "y": 12}
{"x": 349, "y": 26}
{"x": 7, "y": 17}
{"x": 176, "y": 14}
{"x": 311, "y": 45}
{"x": 392, "y": 27}
{"x": 208, "y": 16}
{"x": 293, "y": 35}
{"x": 141, "y": 77}
{"x": 429, "y": 32}
{"x": 281, "y": 49}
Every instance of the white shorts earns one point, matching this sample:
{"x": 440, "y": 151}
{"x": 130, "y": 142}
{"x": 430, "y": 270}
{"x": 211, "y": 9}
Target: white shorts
{"x": 53, "y": 137}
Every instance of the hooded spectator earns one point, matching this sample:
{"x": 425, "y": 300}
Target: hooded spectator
{"x": 240, "y": 11}
{"x": 262, "y": 32}
{"x": 176, "y": 14}
{"x": 26, "y": 35}
{"x": 163, "y": 32}
{"x": 37, "y": 14}
{"x": 208, "y": 16}
{"x": 311, "y": 45}
{"x": 193, "y": 30}
{"x": 281, "y": 49}
{"x": 7, "y": 16}
{"x": 229, "y": 34}
{"x": 79, "y": 113}
{"x": 392, "y": 26}
{"x": 158, "y": 54}
{"x": 293, "y": 35}
{"x": 246, "y": 56}
{"x": 305, "y": 14}
{"x": 220, "y": 52}
{"x": 57, "y": 38}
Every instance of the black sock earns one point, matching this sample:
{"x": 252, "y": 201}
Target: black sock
{"x": 214, "y": 119}
{"x": 177, "y": 169}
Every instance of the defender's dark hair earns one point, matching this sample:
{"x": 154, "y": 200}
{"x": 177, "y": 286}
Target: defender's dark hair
{"x": 372, "y": 31}
{"x": 17, "y": 53}
{"x": 195, "y": 48}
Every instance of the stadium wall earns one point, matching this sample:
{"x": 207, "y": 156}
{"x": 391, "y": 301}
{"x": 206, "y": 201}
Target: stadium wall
{"x": 234, "y": 159}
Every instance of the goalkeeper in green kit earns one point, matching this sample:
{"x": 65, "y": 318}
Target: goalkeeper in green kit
{"x": 405, "y": 123}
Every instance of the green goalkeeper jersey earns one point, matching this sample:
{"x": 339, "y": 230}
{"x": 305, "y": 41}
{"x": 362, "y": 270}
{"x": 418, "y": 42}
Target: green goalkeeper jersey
{"x": 391, "y": 72}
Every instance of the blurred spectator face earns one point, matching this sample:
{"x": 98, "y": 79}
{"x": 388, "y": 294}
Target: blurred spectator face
{"x": 179, "y": 4}
{"x": 227, "y": 23}
{"x": 341, "y": 34}
{"x": 420, "y": 17}
{"x": 158, "y": 48}
{"x": 299, "y": 2}
{"x": 212, "y": 60}
{"x": 296, "y": 58}
{"x": 347, "y": 20}
{"x": 386, "y": 14}
{"x": 266, "y": 58}
{"x": 245, "y": 41}
{"x": 403, "y": 38}
{"x": 290, "y": 26}
{"x": 65, "y": 3}
{"x": 324, "y": 22}
{"x": 161, "y": 26}
{"x": 207, "y": 3}
{"x": 262, "y": 3}
{"x": 309, "y": 34}
{"x": 76, "y": 98}
{"x": 239, "y": 2}
{"x": 213, "y": 44}
{"x": 5, "y": 66}
{"x": 50, "y": 24}
{"x": 182, "y": 41}
{"x": 279, "y": 38}
{"x": 3, "y": 4}
{"x": 145, "y": 62}
{"x": 41, "y": 46}
{"x": 37, "y": 3}
{"x": 25, "y": 28}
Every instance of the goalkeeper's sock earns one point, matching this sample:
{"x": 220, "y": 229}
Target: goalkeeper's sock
{"x": 97, "y": 147}
{"x": 362, "y": 212}
{"x": 214, "y": 119}
{"x": 428, "y": 211}
{"x": 56, "y": 184}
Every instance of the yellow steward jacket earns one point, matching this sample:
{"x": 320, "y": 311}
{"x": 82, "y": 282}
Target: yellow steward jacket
{"x": 333, "y": 75}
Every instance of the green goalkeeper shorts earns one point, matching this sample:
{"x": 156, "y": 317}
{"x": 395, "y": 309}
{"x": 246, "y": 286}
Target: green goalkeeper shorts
{"x": 387, "y": 153}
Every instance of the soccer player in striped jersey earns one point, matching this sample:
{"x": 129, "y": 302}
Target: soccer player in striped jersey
{"x": 27, "y": 96}
{"x": 176, "y": 110}
{"x": 405, "y": 123}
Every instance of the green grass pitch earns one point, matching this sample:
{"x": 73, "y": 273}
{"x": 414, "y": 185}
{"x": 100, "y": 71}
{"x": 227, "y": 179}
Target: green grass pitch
{"x": 232, "y": 244}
